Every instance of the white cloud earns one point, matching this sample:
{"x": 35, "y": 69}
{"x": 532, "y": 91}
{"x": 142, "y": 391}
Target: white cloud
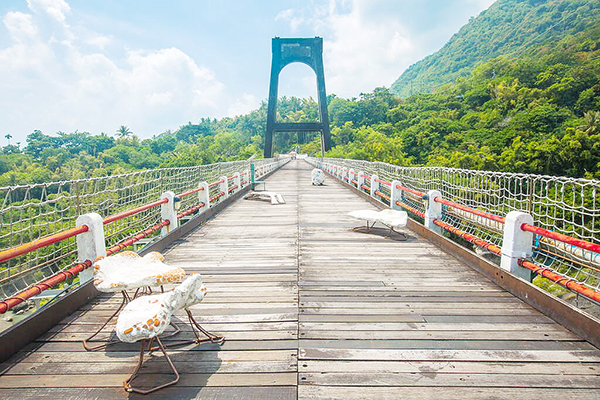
{"x": 20, "y": 26}
{"x": 64, "y": 80}
{"x": 57, "y": 9}
{"x": 290, "y": 16}
{"x": 243, "y": 105}
{"x": 362, "y": 49}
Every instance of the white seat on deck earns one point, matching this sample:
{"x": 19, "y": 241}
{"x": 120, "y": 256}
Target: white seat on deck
{"x": 393, "y": 219}
{"x": 128, "y": 271}
{"x": 147, "y": 317}
{"x": 317, "y": 176}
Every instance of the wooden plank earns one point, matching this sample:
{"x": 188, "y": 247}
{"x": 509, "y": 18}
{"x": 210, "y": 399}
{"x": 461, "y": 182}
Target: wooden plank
{"x": 442, "y": 393}
{"x": 171, "y": 393}
{"x": 116, "y": 380}
{"x": 429, "y": 379}
{"x": 452, "y": 355}
{"x": 538, "y": 336}
{"x": 450, "y": 367}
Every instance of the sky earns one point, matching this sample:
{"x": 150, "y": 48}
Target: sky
{"x": 154, "y": 65}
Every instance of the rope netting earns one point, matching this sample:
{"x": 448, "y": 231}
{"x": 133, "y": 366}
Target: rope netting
{"x": 565, "y": 205}
{"x": 30, "y": 212}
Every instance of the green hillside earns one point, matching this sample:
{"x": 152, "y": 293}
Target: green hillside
{"x": 508, "y": 27}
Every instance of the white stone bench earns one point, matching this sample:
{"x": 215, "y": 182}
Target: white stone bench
{"x": 317, "y": 177}
{"x": 146, "y": 318}
{"x": 393, "y": 219}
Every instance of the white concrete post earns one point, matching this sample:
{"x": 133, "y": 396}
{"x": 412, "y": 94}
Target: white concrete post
{"x": 396, "y": 195}
{"x": 374, "y": 185}
{"x": 90, "y": 244}
{"x": 246, "y": 178}
{"x": 345, "y": 175}
{"x": 360, "y": 179}
{"x": 224, "y": 186}
{"x": 517, "y": 243}
{"x": 168, "y": 212}
{"x": 433, "y": 211}
{"x": 204, "y": 196}
{"x": 237, "y": 181}
{"x": 351, "y": 176}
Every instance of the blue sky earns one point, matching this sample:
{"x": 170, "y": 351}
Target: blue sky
{"x": 93, "y": 65}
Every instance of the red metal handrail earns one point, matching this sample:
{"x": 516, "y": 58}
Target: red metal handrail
{"x": 479, "y": 213}
{"x": 467, "y": 236}
{"x": 415, "y": 192}
{"x": 212, "y": 185}
{"x": 192, "y": 191}
{"x": 411, "y": 209}
{"x": 39, "y": 243}
{"x": 583, "y": 244}
{"x": 190, "y": 210}
{"x": 384, "y": 182}
{"x": 231, "y": 189}
{"x": 133, "y": 211}
{"x": 568, "y": 283}
{"x": 216, "y": 196}
{"x": 366, "y": 177}
{"x": 126, "y": 243}
{"x": 380, "y": 194}
{"x": 45, "y": 285}
{"x": 365, "y": 187}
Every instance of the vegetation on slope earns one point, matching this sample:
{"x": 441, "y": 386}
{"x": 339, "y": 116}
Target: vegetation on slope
{"x": 508, "y": 27}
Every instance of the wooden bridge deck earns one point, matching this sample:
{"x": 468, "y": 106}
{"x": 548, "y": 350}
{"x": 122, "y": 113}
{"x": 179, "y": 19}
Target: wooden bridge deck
{"x": 311, "y": 309}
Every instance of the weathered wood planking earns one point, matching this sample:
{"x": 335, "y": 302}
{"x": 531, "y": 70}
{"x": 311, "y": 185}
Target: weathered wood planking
{"x": 311, "y": 309}
{"x": 468, "y": 339}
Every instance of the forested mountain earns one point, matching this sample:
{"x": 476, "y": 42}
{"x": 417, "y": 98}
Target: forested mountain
{"x": 509, "y": 27}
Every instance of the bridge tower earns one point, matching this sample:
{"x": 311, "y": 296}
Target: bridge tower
{"x": 310, "y": 52}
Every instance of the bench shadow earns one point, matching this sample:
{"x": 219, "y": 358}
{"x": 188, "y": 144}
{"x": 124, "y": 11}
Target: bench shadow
{"x": 384, "y": 232}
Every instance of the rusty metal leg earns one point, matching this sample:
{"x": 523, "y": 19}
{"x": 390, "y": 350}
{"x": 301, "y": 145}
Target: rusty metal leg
{"x": 209, "y": 336}
{"x": 126, "y": 299}
{"x": 127, "y": 384}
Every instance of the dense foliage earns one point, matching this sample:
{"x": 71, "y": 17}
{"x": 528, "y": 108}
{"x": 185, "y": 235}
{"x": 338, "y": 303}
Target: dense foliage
{"x": 508, "y": 27}
{"x": 535, "y": 114}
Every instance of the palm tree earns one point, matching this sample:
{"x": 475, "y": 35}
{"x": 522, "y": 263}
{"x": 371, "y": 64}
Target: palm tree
{"x": 123, "y": 132}
{"x": 591, "y": 122}
{"x": 8, "y": 136}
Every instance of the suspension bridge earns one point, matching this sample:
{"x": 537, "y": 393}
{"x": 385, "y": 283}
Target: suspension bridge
{"x": 308, "y": 307}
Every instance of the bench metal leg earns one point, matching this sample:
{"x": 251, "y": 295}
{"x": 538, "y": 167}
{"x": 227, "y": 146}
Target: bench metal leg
{"x": 127, "y": 384}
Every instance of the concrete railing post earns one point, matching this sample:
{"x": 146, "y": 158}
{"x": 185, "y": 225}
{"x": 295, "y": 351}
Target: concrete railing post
{"x": 360, "y": 178}
{"x": 374, "y": 185}
{"x": 433, "y": 210}
{"x": 224, "y": 186}
{"x": 204, "y": 196}
{"x": 237, "y": 181}
{"x": 246, "y": 175}
{"x": 90, "y": 244}
{"x": 516, "y": 244}
{"x": 345, "y": 175}
{"x": 395, "y": 195}
{"x": 351, "y": 176}
{"x": 168, "y": 212}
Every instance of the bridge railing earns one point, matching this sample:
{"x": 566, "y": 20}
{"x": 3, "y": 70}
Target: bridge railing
{"x": 526, "y": 223}
{"x": 39, "y": 234}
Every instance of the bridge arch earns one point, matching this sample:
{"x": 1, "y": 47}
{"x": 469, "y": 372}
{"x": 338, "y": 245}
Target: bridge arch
{"x": 286, "y": 51}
